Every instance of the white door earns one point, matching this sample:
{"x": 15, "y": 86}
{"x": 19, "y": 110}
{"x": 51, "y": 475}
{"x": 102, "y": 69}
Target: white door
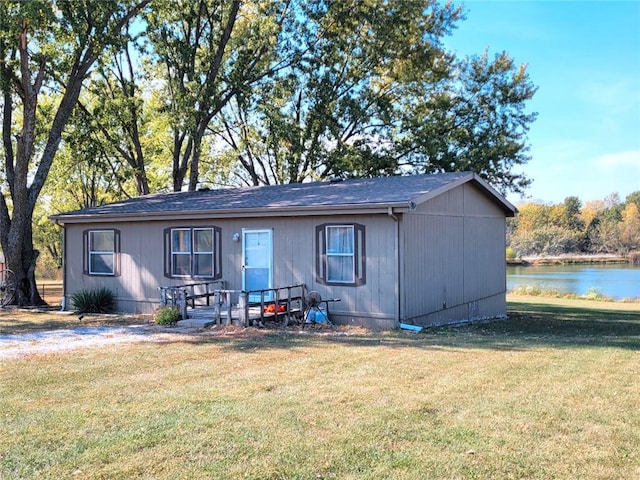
{"x": 257, "y": 262}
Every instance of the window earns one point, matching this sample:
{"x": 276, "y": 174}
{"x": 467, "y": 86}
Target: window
{"x": 340, "y": 263}
{"x": 203, "y": 252}
{"x": 101, "y": 252}
{"x": 340, "y": 254}
{"x": 193, "y": 252}
{"x": 181, "y": 252}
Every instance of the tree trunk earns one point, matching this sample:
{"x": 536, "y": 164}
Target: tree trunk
{"x": 25, "y": 174}
{"x": 21, "y": 258}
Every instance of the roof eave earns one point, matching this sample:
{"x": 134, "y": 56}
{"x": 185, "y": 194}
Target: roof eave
{"x": 294, "y": 211}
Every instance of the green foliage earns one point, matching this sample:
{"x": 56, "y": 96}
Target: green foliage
{"x": 47, "y": 52}
{"x": 600, "y": 227}
{"x": 295, "y": 90}
{"x": 98, "y": 300}
{"x": 377, "y": 94}
{"x": 166, "y": 315}
{"x": 535, "y": 290}
{"x": 595, "y": 294}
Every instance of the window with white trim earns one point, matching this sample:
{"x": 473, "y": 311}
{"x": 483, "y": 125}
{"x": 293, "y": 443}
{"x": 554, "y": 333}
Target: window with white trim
{"x": 193, "y": 252}
{"x": 101, "y": 252}
{"x": 340, "y": 254}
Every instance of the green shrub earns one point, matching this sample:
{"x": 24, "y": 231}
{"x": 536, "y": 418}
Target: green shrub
{"x": 167, "y": 315}
{"x": 98, "y": 300}
{"x": 535, "y": 290}
{"x": 595, "y": 294}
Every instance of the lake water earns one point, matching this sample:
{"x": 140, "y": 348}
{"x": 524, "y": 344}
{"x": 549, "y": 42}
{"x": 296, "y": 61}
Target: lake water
{"x": 617, "y": 281}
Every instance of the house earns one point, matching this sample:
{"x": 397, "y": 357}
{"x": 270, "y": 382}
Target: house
{"x": 420, "y": 249}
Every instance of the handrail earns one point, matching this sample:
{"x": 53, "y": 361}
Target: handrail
{"x": 244, "y": 303}
{"x": 181, "y": 295}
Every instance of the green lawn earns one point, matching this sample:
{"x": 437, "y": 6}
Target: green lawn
{"x": 551, "y": 393}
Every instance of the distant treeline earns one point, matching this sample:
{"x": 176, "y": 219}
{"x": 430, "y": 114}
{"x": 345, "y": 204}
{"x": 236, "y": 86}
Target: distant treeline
{"x": 607, "y": 226}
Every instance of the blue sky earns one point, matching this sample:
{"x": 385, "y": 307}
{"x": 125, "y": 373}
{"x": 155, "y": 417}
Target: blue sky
{"x": 584, "y": 56}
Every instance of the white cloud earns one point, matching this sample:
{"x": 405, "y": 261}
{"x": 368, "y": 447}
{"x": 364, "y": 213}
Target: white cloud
{"x": 626, "y": 160}
{"x": 560, "y": 174}
{"x": 613, "y": 95}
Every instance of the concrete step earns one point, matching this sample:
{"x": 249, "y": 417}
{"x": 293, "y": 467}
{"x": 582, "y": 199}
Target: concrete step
{"x": 196, "y": 322}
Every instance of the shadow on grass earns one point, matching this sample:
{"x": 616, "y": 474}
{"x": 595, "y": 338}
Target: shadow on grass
{"x": 528, "y": 326}
{"x": 20, "y": 321}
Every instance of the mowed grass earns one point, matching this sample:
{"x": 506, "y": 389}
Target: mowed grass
{"x": 25, "y": 320}
{"x": 552, "y": 392}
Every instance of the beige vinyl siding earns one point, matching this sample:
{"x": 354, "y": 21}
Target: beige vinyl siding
{"x": 142, "y": 257}
{"x": 484, "y": 257}
{"x": 453, "y": 265}
{"x": 375, "y": 302}
{"x": 433, "y": 265}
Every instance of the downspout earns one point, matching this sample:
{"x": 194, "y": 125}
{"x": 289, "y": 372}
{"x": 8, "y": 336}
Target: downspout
{"x": 63, "y": 301}
{"x": 396, "y": 250}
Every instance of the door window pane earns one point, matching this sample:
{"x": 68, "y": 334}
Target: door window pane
{"x": 257, "y": 249}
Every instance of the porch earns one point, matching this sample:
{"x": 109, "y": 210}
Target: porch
{"x": 204, "y": 304}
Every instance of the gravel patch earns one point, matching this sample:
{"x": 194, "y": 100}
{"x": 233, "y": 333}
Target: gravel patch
{"x": 20, "y": 345}
{"x": 53, "y": 341}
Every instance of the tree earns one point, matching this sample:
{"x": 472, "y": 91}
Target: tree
{"x": 633, "y": 197}
{"x": 116, "y": 111}
{"x": 331, "y": 111}
{"x": 477, "y": 122}
{"x": 44, "y": 47}
{"x": 591, "y": 210}
{"x": 209, "y": 52}
{"x": 375, "y": 93}
{"x": 630, "y": 227}
{"x": 571, "y": 214}
{"x": 541, "y": 229}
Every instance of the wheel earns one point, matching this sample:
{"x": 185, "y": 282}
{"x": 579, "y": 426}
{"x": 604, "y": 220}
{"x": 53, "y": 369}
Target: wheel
{"x": 7, "y": 286}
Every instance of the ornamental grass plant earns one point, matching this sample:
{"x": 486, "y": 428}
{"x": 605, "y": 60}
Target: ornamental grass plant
{"x": 96, "y": 300}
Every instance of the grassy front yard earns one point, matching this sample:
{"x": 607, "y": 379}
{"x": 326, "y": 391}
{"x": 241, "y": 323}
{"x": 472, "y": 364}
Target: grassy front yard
{"x": 553, "y": 392}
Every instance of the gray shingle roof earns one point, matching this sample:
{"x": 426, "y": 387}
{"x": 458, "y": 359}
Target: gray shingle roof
{"x": 379, "y": 191}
